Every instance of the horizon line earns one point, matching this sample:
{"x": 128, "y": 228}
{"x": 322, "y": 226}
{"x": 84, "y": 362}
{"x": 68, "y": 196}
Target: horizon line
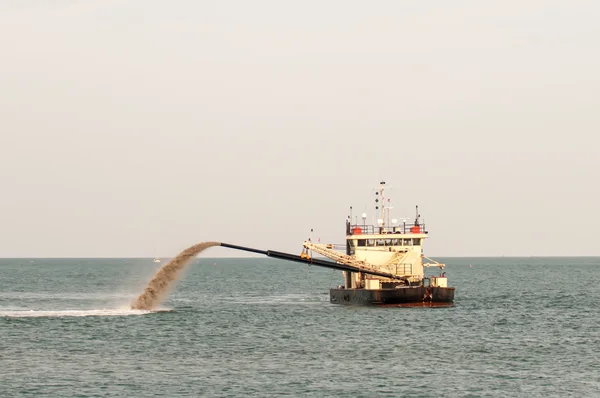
{"x": 165, "y": 257}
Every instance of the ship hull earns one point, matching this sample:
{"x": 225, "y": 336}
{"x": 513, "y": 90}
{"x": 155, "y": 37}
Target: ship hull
{"x": 404, "y": 296}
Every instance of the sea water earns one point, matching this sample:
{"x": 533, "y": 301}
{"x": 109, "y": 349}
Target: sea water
{"x": 263, "y": 327}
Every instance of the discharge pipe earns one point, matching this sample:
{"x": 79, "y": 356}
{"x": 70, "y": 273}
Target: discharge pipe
{"x": 312, "y": 261}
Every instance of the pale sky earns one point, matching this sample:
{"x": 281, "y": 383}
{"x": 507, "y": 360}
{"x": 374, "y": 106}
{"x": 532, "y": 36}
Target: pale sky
{"x": 138, "y": 128}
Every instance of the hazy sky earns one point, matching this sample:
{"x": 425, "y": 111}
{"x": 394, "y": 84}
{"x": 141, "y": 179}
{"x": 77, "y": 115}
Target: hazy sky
{"x": 136, "y": 128}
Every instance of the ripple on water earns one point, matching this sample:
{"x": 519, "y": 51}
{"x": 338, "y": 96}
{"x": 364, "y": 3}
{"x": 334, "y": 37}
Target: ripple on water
{"x": 258, "y": 328}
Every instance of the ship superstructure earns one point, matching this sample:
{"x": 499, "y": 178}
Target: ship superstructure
{"x": 389, "y": 247}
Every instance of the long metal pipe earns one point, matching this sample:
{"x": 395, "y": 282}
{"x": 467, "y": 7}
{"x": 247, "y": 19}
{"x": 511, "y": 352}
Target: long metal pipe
{"x": 311, "y": 261}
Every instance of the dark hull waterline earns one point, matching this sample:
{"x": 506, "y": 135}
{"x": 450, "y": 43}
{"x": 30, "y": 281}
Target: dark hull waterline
{"x": 404, "y": 296}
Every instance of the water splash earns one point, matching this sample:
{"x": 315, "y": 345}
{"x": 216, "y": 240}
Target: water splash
{"x": 71, "y": 313}
{"x": 158, "y": 287}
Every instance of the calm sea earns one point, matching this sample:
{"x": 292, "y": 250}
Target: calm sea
{"x": 520, "y": 327}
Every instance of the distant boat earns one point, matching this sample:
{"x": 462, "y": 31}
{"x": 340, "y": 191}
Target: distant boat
{"x": 156, "y": 260}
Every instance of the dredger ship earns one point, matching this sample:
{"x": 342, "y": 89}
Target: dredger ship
{"x": 383, "y": 263}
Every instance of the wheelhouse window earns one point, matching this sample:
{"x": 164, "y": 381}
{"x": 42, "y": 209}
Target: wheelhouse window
{"x": 361, "y": 243}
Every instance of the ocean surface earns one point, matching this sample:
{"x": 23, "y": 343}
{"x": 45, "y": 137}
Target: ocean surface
{"x": 259, "y": 327}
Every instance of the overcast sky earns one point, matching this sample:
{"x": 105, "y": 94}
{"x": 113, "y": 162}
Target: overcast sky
{"x": 137, "y": 128}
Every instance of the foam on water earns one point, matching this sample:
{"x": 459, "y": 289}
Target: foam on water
{"x": 74, "y": 313}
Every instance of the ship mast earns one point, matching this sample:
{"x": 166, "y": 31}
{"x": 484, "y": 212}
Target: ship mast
{"x": 417, "y": 216}
{"x": 379, "y": 193}
{"x": 382, "y": 207}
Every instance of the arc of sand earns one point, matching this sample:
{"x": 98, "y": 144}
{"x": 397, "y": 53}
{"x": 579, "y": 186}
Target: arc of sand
{"x": 158, "y": 287}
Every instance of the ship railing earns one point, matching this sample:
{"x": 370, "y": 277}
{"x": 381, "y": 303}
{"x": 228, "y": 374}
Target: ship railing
{"x": 404, "y": 228}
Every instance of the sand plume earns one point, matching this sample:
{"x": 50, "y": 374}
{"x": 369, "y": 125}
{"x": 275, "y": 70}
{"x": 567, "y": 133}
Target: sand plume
{"x": 158, "y": 287}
